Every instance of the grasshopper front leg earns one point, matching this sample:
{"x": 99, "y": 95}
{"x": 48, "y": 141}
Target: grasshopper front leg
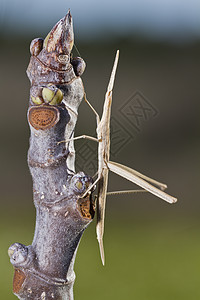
{"x": 91, "y": 138}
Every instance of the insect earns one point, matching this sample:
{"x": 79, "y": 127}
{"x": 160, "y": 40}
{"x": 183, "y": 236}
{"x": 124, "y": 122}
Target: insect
{"x": 105, "y": 165}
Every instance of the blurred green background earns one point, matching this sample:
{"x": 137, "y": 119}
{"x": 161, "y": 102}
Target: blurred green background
{"x": 152, "y": 248}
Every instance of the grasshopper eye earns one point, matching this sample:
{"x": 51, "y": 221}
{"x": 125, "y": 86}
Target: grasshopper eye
{"x": 52, "y": 95}
{"x": 36, "y": 46}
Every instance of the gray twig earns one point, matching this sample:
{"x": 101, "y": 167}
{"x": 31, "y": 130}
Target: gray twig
{"x": 44, "y": 270}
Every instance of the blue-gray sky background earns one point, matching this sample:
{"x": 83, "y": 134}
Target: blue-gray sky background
{"x": 175, "y": 20}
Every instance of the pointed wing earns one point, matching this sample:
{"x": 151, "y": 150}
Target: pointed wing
{"x": 103, "y": 132}
{"x": 101, "y": 204}
{"x": 129, "y": 174}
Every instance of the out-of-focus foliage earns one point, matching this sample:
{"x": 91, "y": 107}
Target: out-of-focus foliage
{"x": 152, "y": 248}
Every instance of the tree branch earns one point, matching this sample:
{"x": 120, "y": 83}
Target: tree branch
{"x": 44, "y": 270}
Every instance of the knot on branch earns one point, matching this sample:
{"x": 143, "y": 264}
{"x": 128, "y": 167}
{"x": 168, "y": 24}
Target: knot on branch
{"x": 21, "y": 255}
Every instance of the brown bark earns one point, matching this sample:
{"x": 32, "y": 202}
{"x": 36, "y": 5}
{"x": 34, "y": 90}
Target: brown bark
{"x": 44, "y": 270}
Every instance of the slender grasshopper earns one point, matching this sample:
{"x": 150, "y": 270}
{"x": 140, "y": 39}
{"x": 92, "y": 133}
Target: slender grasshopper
{"x": 105, "y": 165}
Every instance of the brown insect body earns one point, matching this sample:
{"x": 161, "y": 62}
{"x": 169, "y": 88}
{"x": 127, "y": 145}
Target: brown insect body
{"x": 103, "y": 135}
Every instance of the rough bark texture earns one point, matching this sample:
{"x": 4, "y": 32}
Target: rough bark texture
{"x": 44, "y": 270}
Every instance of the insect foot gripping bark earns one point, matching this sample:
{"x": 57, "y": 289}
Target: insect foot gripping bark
{"x": 44, "y": 270}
